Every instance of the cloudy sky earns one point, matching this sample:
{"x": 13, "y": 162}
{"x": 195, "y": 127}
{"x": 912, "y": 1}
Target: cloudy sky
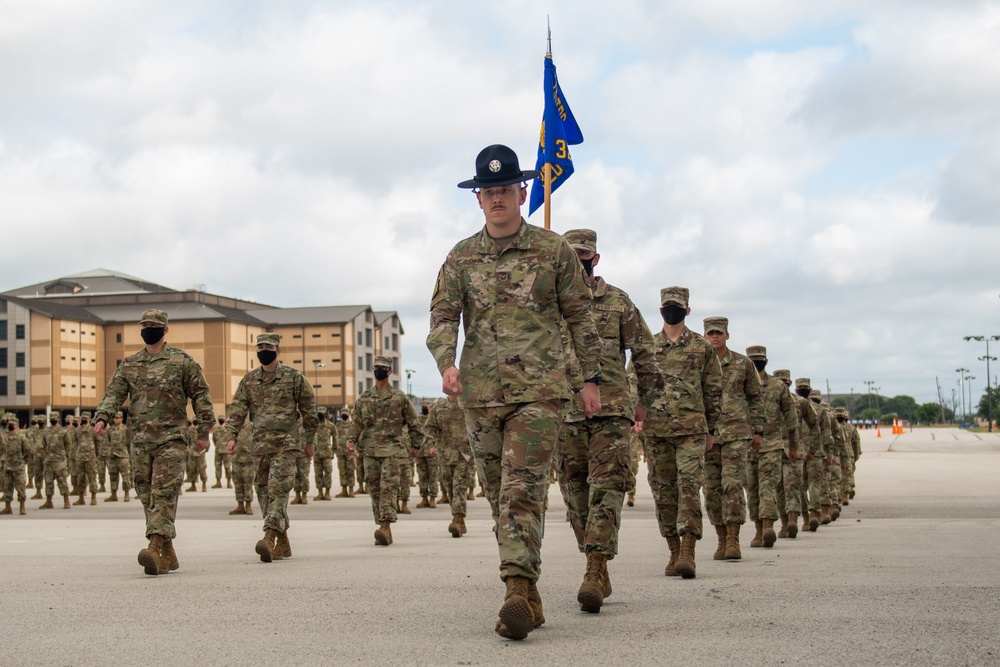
{"x": 823, "y": 173}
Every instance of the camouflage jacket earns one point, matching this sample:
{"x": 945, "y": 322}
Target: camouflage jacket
{"x": 159, "y": 387}
{"x": 808, "y": 427}
{"x": 826, "y": 424}
{"x": 742, "y": 412}
{"x": 781, "y": 421}
{"x": 54, "y": 445}
{"x": 692, "y": 375}
{"x": 341, "y": 439}
{"x": 853, "y": 441}
{"x": 620, "y": 327}
{"x": 104, "y": 444}
{"x": 14, "y": 450}
{"x": 69, "y": 438}
{"x": 843, "y": 447}
{"x": 34, "y": 436}
{"x": 274, "y": 402}
{"x": 118, "y": 445}
{"x": 86, "y": 441}
{"x": 510, "y": 302}
{"x": 243, "y": 451}
{"x": 326, "y": 440}
{"x": 445, "y": 429}
{"x": 384, "y": 423}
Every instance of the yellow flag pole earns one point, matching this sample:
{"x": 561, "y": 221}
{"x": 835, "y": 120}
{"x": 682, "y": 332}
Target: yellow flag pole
{"x": 547, "y": 179}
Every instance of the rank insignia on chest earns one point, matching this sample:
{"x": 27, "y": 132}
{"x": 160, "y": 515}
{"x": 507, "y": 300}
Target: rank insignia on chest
{"x": 503, "y": 277}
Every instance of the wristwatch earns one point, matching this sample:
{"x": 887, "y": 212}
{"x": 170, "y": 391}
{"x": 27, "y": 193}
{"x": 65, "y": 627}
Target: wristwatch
{"x": 594, "y": 380}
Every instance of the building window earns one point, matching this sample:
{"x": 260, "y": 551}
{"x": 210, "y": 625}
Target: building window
{"x": 3, "y": 305}
{"x": 395, "y": 366}
{"x": 316, "y": 335}
{"x": 386, "y": 344}
{"x": 395, "y": 342}
{"x": 335, "y": 335}
{"x": 3, "y": 385}
{"x": 368, "y": 362}
{"x": 297, "y": 336}
{"x": 395, "y": 383}
{"x": 368, "y": 382}
{"x": 19, "y": 331}
{"x": 118, "y": 362}
{"x": 3, "y": 357}
{"x": 361, "y": 339}
{"x": 361, "y": 387}
{"x": 335, "y": 360}
{"x": 19, "y": 387}
{"x": 19, "y": 359}
{"x": 368, "y": 337}
{"x": 3, "y": 329}
{"x": 118, "y": 338}
{"x": 361, "y": 363}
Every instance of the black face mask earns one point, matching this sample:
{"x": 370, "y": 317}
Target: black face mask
{"x": 802, "y": 391}
{"x": 221, "y": 421}
{"x": 840, "y": 419}
{"x": 10, "y": 427}
{"x": 151, "y": 335}
{"x": 266, "y": 357}
{"x": 321, "y": 417}
{"x": 588, "y": 265}
{"x": 381, "y": 373}
{"x": 85, "y": 422}
{"x": 54, "y": 422}
{"x": 760, "y": 364}
{"x": 673, "y": 314}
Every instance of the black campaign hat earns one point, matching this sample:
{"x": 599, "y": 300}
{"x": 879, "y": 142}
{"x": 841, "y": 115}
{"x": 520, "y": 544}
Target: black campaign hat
{"x": 497, "y": 165}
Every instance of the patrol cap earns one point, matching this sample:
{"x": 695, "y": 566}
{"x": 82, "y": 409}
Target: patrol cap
{"x": 154, "y": 316}
{"x": 582, "y": 239}
{"x": 119, "y": 415}
{"x": 268, "y": 339}
{"x": 757, "y": 352}
{"x": 85, "y": 414}
{"x": 719, "y": 324}
{"x": 814, "y": 393}
{"x": 497, "y": 165}
{"x": 385, "y": 362}
{"x": 803, "y": 382}
{"x": 674, "y": 295}
{"x": 68, "y": 419}
{"x": 783, "y": 374}
{"x": 840, "y": 412}
{"x": 54, "y": 417}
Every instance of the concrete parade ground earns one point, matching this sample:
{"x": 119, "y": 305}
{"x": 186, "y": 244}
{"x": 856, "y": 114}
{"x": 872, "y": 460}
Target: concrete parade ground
{"x": 907, "y": 576}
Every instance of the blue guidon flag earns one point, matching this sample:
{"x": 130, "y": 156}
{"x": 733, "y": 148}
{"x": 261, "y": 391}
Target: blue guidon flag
{"x": 559, "y": 132}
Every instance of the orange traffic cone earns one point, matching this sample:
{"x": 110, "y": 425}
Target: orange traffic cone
{"x": 878, "y": 434}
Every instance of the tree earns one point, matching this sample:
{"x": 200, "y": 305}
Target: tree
{"x": 981, "y": 410}
{"x": 929, "y": 413}
{"x": 904, "y": 406}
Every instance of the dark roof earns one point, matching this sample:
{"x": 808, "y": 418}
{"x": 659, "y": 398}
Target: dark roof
{"x": 382, "y": 315}
{"x": 56, "y": 310}
{"x": 176, "y": 312}
{"x": 308, "y": 315}
{"x": 89, "y": 283}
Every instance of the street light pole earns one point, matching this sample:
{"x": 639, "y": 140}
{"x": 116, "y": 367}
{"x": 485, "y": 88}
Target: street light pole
{"x": 989, "y": 389}
{"x": 968, "y": 381}
{"x": 870, "y": 384}
{"x": 317, "y": 365}
{"x": 409, "y": 385}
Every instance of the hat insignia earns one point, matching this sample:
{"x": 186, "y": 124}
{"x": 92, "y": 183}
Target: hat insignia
{"x": 494, "y": 166}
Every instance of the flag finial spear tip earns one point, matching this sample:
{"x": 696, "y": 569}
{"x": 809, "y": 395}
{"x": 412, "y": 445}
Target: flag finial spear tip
{"x": 548, "y": 25}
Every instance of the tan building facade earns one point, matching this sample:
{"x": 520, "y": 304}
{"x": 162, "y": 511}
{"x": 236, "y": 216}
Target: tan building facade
{"x": 61, "y": 341}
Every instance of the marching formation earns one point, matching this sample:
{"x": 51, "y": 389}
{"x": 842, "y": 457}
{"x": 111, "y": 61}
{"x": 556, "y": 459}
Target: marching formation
{"x": 559, "y": 378}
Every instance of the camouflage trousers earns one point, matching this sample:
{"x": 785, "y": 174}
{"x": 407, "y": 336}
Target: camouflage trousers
{"x": 791, "y": 496}
{"x": 13, "y": 480}
{"x": 274, "y": 477}
{"x": 834, "y": 479}
{"x": 158, "y": 471}
{"x": 455, "y": 482}
{"x": 223, "y": 463}
{"x": 473, "y": 475}
{"x": 725, "y": 479}
{"x": 813, "y": 483}
{"x": 197, "y": 466}
{"x": 323, "y": 471}
{"x": 103, "y": 464}
{"x": 37, "y": 469}
{"x": 513, "y": 447}
{"x": 382, "y": 479}
{"x": 302, "y": 465}
{"x": 55, "y": 474}
{"x": 88, "y": 475}
{"x": 405, "y": 479}
{"x": 594, "y": 466}
{"x": 635, "y": 445}
{"x": 427, "y": 475}
{"x": 119, "y": 466}
{"x": 763, "y": 479}
{"x": 244, "y": 475}
{"x": 347, "y": 468}
{"x": 675, "y": 465}
{"x": 846, "y": 475}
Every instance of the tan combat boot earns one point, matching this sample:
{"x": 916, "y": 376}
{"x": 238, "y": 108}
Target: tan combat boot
{"x": 20, "y": 508}
{"x": 824, "y": 517}
{"x": 685, "y": 561}
{"x": 783, "y": 533}
{"x": 591, "y": 592}
{"x": 423, "y": 502}
{"x": 516, "y": 619}
{"x": 193, "y": 487}
{"x": 319, "y": 495}
{"x": 535, "y": 603}
{"x": 38, "y": 494}
{"x": 607, "y": 580}
{"x": 350, "y": 492}
{"x": 266, "y": 546}
{"x": 169, "y": 559}
{"x": 793, "y": 525}
{"x": 769, "y": 535}
{"x": 850, "y": 494}
{"x": 403, "y": 509}
{"x": 248, "y": 508}
{"x": 674, "y": 543}
{"x": 814, "y": 521}
{"x": 113, "y": 498}
{"x": 102, "y": 489}
{"x": 204, "y": 486}
{"x": 127, "y": 498}
{"x": 229, "y": 483}
{"x": 720, "y": 551}
{"x": 218, "y": 483}
{"x": 845, "y": 499}
{"x": 457, "y": 525}
{"x": 470, "y": 495}
{"x": 835, "y": 513}
{"x": 758, "y": 536}
{"x": 47, "y": 505}
{"x": 431, "y": 502}
{"x": 383, "y": 534}
{"x": 6, "y": 508}
{"x": 93, "y": 498}
{"x": 298, "y": 499}
{"x": 80, "y": 500}
{"x": 239, "y": 509}
{"x": 151, "y": 557}
{"x": 343, "y": 493}
{"x": 631, "y": 500}
{"x": 444, "y": 499}
{"x": 282, "y": 547}
{"x": 733, "y": 542}
{"x": 65, "y": 502}
{"x": 305, "y": 498}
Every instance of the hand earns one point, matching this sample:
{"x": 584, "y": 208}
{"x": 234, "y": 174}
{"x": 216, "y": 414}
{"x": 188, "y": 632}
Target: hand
{"x": 414, "y": 452}
{"x": 637, "y": 427}
{"x": 709, "y": 441}
{"x": 836, "y": 460}
{"x": 450, "y": 382}
{"x": 350, "y": 448}
{"x": 201, "y": 446}
{"x": 793, "y": 455}
{"x": 756, "y": 442}
{"x": 310, "y": 450}
{"x": 433, "y": 451}
{"x": 640, "y": 413}
{"x": 591, "y": 395}
{"x": 100, "y": 427}
{"x": 230, "y": 447}
{"x": 810, "y": 457}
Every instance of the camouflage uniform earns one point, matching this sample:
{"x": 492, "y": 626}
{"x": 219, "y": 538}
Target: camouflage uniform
{"x": 812, "y": 477}
{"x": 741, "y": 419}
{"x": 36, "y": 470}
{"x": 445, "y": 430}
{"x": 159, "y": 387}
{"x": 780, "y": 438}
{"x": 244, "y": 467}
{"x": 274, "y": 401}
{"x": 118, "y": 457}
{"x": 829, "y": 438}
{"x": 223, "y": 459}
{"x": 68, "y": 433}
{"x": 326, "y": 440}
{"x": 854, "y": 448}
{"x": 510, "y": 299}
{"x": 14, "y": 449}
{"x": 347, "y": 462}
{"x": 197, "y": 462}
{"x": 54, "y": 452}
{"x": 103, "y": 452}
{"x": 428, "y": 470}
{"x": 86, "y": 441}
{"x": 383, "y": 426}
{"x": 405, "y": 481}
{"x": 791, "y": 492}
